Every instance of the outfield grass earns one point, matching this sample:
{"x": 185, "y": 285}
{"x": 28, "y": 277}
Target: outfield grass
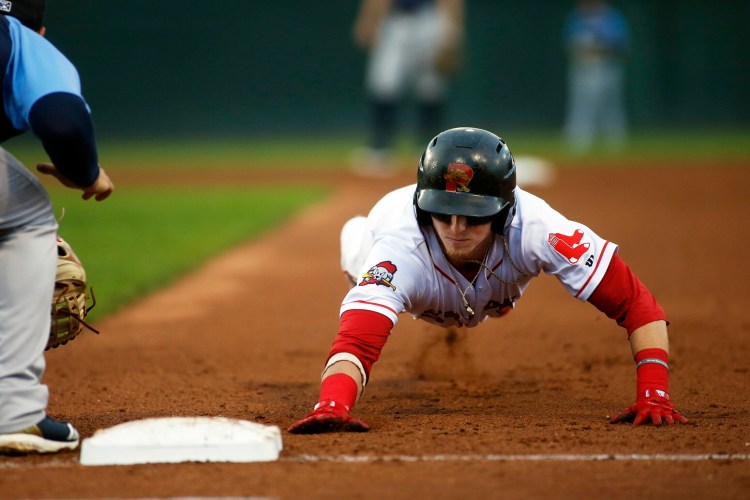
{"x": 311, "y": 152}
{"x": 673, "y": 146}
{"x": 142, "y": 239}
{"x": 335, "y": 152}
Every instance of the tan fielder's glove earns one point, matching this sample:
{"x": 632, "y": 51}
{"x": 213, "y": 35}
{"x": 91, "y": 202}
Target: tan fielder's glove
{"x": 70, "y": 300}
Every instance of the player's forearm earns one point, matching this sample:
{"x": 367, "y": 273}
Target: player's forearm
{"x": 63, "y": 124}
{"x": 650, "y": 336}
{"x": 367, "y": 23}
{"x": 454, "y": 9}
{"x": 347, "y": 368}
{"x": 373, "y": 11}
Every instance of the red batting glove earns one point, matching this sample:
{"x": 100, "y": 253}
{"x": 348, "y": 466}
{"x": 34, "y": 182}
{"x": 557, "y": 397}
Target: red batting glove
{"x": 328, "y": 416}
{"x": 652, "y": 405}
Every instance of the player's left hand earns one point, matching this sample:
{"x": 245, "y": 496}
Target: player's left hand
{"x": 651, "y": 406}
{"x": 328, "y": 416}
{"x": 99, "y": 190}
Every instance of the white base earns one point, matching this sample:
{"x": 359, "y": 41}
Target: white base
{"x": 182, "y": 439}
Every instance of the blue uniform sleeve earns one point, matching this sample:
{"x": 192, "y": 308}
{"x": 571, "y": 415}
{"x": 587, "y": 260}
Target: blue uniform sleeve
{"x": 42, "y": 94}
{"x": 63, "y": 124}
{"x": 36, "y": 68}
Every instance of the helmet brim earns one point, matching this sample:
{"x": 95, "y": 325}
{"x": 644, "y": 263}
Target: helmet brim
{"x": 458, "y": 203}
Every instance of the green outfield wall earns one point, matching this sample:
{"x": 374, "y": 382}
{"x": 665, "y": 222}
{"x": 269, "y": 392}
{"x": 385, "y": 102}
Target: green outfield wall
{"x": 168, "y": 67}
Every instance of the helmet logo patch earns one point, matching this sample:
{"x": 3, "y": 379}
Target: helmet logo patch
{"x": 458, "y": 177}
{"x": 380, "y": 274}
{"x": 569, "y": 247}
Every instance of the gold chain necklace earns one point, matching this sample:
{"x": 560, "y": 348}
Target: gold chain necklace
{"x": 482, "y": 265}
{"x": 521, "y": 274}
{"x": 463, "y": 293}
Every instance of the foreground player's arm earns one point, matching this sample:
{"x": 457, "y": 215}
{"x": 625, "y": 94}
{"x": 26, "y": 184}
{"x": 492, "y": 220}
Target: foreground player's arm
{"x": 63, "y": 124}
{"x": 362, "y": 335}
{"x": 622, "y": 297}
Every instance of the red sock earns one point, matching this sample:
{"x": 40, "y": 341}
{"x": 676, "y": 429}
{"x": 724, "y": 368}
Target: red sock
{"x": 341, "y": 388}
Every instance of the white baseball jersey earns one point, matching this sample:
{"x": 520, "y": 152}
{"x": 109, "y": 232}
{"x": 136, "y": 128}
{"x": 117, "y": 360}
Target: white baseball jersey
{"x": 400, "y": 267}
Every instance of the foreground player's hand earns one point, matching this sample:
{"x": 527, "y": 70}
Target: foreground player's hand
{"x": 100, "y": 189}
{"x": 651, "y": 406}
{"x": 328, "y": 416}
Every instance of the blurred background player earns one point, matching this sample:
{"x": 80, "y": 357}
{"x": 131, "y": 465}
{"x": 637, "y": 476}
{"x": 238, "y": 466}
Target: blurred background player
{"x": 41, "y": 93}
{"x": 461, "y": 247}
{"x": 413, "y": 45}
{"x": 596, "y": 39}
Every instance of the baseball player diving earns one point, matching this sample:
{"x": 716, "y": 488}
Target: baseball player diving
{"x": 41, "y": 94}
{"x": 461, "y": 247}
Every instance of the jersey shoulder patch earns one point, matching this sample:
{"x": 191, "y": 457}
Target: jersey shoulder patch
{"x": 569, "y": 245}
{"x": 381, "y": 274}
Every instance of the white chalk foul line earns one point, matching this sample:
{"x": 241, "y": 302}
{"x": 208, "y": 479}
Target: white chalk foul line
{"x": 19, "y": 463}
{"x": 563, "y": 457}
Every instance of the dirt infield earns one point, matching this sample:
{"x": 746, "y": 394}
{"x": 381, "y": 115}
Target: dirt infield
{"x": 516, "y": 408}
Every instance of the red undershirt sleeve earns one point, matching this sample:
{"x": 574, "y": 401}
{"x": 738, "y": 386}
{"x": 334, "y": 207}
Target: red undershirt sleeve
{"x": 363, "y": 334}
{"x": 621, "y": 296}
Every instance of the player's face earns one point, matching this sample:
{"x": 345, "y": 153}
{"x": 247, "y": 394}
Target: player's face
{"x": 463, "y": 238}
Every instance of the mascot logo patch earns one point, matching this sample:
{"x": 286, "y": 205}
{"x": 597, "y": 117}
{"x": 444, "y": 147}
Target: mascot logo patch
{"x": 458, "y": 177}
{"x": 380, "y": 274}
{"x": 569, "y": 247}
{"x": 5, "y": 6}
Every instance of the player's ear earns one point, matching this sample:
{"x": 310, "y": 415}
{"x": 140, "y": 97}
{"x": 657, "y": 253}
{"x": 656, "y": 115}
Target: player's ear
{"x": 42, "y": 30}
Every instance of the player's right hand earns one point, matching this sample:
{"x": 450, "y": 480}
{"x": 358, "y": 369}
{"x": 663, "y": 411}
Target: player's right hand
{"x": 100, "y": 189}
{"x": 650, "y": 407}
{"x": 328, "y": 416}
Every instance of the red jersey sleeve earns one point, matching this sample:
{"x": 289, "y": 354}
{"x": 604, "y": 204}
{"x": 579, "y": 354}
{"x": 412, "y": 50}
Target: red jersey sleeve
{"x": 362, "y": 334}
{"x": 621, "y": 296}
